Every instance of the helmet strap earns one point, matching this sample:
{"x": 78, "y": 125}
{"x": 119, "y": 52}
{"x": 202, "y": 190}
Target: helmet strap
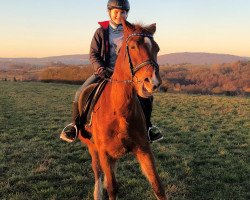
{"x": 113, "y": 23}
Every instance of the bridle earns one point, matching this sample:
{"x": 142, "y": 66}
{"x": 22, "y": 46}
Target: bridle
{"x": 133, "y": 69}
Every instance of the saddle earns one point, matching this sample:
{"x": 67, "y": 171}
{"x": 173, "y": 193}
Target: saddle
{"x": 88, "y": 99}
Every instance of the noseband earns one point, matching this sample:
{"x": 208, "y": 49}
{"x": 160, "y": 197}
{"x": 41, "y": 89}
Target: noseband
{"x": 133, "y": 69}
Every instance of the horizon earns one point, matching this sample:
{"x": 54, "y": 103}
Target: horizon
{"x": 61, "y": 28}
{"x": 157, "y": 56}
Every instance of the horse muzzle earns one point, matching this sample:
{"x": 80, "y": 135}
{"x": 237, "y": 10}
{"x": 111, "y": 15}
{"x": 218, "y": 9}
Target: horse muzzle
{"x": 156, "y": 80}
{"x": 149, "y": 85}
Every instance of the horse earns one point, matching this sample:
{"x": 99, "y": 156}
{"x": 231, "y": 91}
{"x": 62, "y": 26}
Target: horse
{"x": 118, "y": 123}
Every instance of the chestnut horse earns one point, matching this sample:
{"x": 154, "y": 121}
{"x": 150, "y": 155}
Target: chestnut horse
{"x": 118, "y": 123}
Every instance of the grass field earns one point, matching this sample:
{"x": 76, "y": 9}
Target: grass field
{"x": 204, "y": 155}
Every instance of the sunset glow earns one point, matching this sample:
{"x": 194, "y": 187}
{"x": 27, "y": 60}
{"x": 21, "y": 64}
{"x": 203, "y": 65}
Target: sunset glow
{"x": 32, "y": 28}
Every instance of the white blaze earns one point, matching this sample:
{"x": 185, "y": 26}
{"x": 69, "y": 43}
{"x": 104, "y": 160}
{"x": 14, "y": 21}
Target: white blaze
{"x": 155, "y": 80}
{"x": 148, "y": 42}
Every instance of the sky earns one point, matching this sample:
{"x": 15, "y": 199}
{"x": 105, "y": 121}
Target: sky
{"x": 40, "y": 28}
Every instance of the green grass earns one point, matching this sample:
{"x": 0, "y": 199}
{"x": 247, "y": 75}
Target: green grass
{"x": 204, "y": 155}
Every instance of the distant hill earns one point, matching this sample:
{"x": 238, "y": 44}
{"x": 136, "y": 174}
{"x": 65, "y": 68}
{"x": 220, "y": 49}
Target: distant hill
{"x": 198, "y": 58}
{"x": 77, "y": 59}
{"x": 173, "y": 58}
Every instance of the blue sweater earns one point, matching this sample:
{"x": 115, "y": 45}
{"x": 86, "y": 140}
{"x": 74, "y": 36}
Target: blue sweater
{"x": 115, "y": 42}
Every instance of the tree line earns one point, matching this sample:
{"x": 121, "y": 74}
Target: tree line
{"x": 227, "y": 79}
{"x": 72, "y": 74}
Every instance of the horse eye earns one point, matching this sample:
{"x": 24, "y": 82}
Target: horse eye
{"x": 133, "y": 47}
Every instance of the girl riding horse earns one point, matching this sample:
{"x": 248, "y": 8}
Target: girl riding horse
{"x": 104, "y": 50}
{"x": 118, "y": 122}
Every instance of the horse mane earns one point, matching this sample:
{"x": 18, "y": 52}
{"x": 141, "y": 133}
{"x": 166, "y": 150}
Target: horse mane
{"x": 142, "y": 28}
{"x": 139, "y": 25}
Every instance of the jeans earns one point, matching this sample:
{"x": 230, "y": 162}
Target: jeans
{"x": 92, "y": 79}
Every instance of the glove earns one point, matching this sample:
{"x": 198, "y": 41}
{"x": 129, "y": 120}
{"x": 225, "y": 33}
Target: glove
{"x": 101, "y": 72}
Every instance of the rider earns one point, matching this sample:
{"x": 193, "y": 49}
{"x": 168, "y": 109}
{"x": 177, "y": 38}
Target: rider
{"x": 104, "y": 49}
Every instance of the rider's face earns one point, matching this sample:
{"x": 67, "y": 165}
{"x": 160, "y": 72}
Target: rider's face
{"x": 117, "y": 14}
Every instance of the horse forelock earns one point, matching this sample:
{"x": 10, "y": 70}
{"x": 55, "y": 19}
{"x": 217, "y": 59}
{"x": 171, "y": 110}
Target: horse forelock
{"x": 142, "y": 28}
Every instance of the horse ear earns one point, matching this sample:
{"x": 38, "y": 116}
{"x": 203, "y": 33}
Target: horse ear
{"x": 151, "y": 28}
{"x": 127, "y": 26}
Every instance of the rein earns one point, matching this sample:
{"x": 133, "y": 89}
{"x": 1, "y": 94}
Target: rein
{"x": 133, "y": 69}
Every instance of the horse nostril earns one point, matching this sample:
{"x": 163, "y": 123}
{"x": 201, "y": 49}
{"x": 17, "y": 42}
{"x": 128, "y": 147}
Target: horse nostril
{"x": 146, "y": 80}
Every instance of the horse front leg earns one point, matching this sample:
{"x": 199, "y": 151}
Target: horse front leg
{"x": 95, "y": 167}
{"x": 147, "y": 163}
{"x": 108, "y": 167}
{"x": 98, "y": 175}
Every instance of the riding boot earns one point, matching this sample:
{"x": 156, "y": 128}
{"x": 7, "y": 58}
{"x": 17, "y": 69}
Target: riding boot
{"x": 70, "y": 132}
{"x": 154, "y": 133}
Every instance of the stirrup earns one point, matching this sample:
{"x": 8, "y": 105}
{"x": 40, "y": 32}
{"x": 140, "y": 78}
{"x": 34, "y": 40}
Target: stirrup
{"x": 159, "y": 132}
{"x": 63, "y": 135}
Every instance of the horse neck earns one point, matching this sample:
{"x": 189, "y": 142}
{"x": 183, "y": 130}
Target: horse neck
{"x": 123, "y": 92}
{"x": 122, "y": 68}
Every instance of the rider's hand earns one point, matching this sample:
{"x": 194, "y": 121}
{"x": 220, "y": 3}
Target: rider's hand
{"x": 101, "y": 72}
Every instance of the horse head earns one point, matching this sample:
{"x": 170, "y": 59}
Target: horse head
{"x": 142, "y": 50}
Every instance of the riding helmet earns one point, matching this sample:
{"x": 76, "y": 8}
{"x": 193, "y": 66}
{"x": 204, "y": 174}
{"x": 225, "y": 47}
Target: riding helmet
{"x": 119, "y": 4}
